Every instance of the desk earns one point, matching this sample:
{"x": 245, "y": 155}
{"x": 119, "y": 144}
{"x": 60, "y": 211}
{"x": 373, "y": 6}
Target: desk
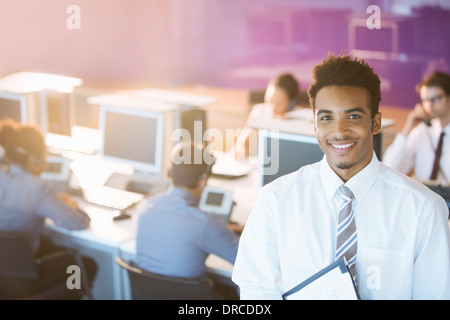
{"x": 32, "y": 89}
{"x": 106, "y": 239}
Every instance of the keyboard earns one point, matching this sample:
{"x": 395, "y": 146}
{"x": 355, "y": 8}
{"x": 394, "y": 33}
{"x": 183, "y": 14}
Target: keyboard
{"x": 110, "y": 197}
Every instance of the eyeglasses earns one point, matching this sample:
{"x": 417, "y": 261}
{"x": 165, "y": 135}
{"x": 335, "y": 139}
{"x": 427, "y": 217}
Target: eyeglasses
{"x": 433, "y": 99}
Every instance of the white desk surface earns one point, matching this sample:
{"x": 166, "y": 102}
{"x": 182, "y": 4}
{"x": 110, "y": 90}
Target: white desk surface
{"x": 118, "y": 238}
{"x": 125, "y": 99}
{"x": 26, "y": 82}
{"x": 153, "y": 99}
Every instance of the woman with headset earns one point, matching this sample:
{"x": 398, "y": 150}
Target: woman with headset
{"x": 26, "y": 201}
{"x": 282, "y": 96}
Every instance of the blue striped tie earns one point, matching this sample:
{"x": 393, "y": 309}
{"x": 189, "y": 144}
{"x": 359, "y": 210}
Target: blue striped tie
{"x": 346, "y": 231}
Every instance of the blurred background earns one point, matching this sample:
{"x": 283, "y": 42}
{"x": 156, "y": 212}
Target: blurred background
{"x": 234, "y": 44}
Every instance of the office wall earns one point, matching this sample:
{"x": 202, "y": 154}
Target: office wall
{"x": 240, "y": 44}
{"x": 121, "y": 43}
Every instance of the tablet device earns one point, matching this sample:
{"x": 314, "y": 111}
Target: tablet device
{"x": 217, "y": 201}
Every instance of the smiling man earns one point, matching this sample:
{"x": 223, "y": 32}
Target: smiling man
{"x": 394, "y": 236}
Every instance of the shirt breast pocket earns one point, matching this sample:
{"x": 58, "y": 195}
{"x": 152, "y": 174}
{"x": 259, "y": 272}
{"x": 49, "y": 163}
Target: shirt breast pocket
{"x": 383, "y": 273}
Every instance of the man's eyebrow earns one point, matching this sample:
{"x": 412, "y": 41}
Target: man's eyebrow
{"x": 323, "y": 111}
{"x": 319, "y": 112}
{"x": 355, "y": 110}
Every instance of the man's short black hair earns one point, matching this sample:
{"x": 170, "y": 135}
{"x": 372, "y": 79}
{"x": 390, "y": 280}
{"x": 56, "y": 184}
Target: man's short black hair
{"x": 346, "y": 70}
{"x": 190, "y": 164}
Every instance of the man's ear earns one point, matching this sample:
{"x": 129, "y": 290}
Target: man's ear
{"x": 202, "y": 182}
{"x": 376, "y": 123}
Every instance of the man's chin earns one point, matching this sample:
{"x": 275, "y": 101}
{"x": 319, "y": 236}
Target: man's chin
{"x": 344, "y": 165}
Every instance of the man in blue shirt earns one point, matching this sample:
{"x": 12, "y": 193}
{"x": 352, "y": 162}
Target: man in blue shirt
{"x": 174, "y": 236}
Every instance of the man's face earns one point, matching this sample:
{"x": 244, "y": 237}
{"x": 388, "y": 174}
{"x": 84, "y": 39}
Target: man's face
{"x": 345, "y": 129}
{"x": 435, "y": 102}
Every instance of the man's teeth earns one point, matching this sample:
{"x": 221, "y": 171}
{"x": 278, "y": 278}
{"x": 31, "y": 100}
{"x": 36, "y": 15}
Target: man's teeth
{"x": 342, "y": 146}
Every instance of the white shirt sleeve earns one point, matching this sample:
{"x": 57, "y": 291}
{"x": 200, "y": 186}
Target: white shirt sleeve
{"x": 431, "y": 276}
{"x": 397, "y": 155}
{"x": 256, "y": 270}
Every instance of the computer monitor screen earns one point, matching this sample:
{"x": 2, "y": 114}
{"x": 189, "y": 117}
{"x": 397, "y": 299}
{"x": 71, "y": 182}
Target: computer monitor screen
{"x": 374, "y": 43}
{"x": 132, "y": 136}
{"x": 380, "y": 39}
{"x": 214, "y": 198}
{"x": 13, "y": 107}
{"x": 280, "y": 153}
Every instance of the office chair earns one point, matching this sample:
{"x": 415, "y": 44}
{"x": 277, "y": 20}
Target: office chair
{"x": 19, "y": 265}
{"x": 150, "y": 286}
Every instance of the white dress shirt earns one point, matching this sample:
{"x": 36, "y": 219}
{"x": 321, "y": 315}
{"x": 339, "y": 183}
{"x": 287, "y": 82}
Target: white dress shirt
{"x": 403, "y": 235}
{"x": 417, "y": 151}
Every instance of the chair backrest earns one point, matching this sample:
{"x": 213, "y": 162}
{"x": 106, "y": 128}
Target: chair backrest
{"x": 145, "y": 285}
{"x": 19, "y": 265}
{"x": 16, "y": 257}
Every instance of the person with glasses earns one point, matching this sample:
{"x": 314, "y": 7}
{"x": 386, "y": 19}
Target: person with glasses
{"x": 426, "y": 130}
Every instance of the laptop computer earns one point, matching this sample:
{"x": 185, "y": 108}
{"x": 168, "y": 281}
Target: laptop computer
{"x": 104, "y": 196}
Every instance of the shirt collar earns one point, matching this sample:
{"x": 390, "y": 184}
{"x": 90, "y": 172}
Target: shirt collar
{"x": 15, "y": 169}
{"x": 358, "y": 184}
{"x": 437, "y": 128}
{"x": 184, "y": 194}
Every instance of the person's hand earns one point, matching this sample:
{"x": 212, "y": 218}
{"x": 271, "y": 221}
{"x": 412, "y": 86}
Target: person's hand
{"x": 68, "y": 200}
{"x": 236, "y": 228}
{"x": 239, "y": 153}
{"x": 283, "y": 116}
{"x": 414, "y": 118}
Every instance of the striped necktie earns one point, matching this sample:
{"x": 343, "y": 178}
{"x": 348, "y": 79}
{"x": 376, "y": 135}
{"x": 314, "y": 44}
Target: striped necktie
{"x": 346, "y": 231}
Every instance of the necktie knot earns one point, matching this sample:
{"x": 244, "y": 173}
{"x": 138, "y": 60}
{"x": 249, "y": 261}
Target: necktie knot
{"x": 346, "y": 192}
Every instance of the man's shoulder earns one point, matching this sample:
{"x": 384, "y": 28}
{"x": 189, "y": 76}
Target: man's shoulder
{"x": 403, "y": 183}
{"x": 301, "y": 176}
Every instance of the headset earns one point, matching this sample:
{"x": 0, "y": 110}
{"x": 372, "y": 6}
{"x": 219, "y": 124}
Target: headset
{"x": 205, "y": 173}
{"x": 36, "y": 161}
{"x": 292, "y": 105}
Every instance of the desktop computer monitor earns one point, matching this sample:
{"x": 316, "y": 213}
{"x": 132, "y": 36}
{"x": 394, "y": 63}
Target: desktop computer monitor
{"x": 132, "y": 136}
{"x": 59, "y": 112}
{"x": 25, "y": 108}
{"x": 13, "y": 106}
{"x": 280, "y": 153}
{"x": 368, "y": 43}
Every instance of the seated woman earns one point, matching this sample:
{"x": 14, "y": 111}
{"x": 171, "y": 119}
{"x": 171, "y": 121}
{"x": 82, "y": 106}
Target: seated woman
{"x": 282, "y": 95}
{"x": 26, "y": 201}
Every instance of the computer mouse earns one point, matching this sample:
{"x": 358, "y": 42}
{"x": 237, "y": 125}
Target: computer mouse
{"x": 121, "y": 216}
